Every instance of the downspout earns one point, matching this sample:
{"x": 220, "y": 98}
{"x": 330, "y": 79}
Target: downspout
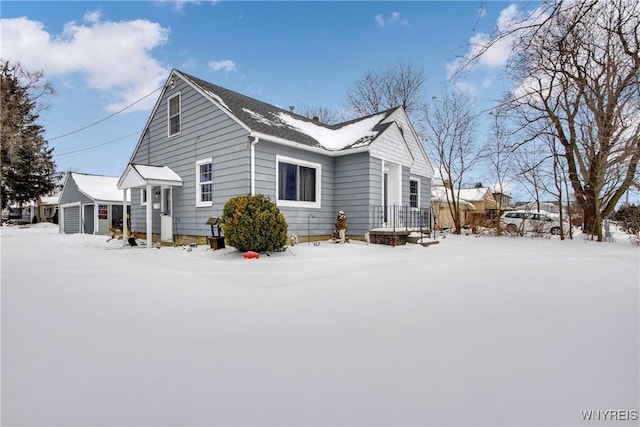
{"x": 253, "y": 164}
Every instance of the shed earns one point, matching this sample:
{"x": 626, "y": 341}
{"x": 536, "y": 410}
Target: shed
{"x": 90, "y": 204}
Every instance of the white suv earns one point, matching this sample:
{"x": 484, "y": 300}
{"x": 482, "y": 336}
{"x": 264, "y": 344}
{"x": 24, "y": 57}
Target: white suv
{"x": 530, "y": 222}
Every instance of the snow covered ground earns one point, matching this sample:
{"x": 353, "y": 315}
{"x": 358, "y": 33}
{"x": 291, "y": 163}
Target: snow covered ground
{"x": 471, "y": 331}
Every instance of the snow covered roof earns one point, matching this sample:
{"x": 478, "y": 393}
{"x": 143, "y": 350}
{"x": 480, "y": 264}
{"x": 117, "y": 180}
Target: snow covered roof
{"x": 136, "y": 175}
{"x": 470, "y": 194}
{"x": 50, "y": 200}
{"x": 273, "y": 121}
{"x": 98, "y": 187}
{"x": 438, "y": 194}
{"x": 474, "y": 193}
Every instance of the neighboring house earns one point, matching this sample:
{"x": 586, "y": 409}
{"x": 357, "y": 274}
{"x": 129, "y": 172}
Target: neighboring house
{"x": 441, "y": 207}
{"x": 503, "y": 200}
{"x": 475, "y": 206}
{"x": 483, "y": 200}
{"x": 48, "y": 208}
{"x": 90, "y": 204}
{"x": 204, "y": 144}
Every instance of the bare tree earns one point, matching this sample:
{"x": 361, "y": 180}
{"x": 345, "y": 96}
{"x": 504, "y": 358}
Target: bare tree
{"x": 450, "y": 127}
{"x": 322, "y": 114}
{"x": 498, "y": 155}
{"x": 576, "y": 65}
{"x": 401, "y": 85}
{"x": 534, "y": 167}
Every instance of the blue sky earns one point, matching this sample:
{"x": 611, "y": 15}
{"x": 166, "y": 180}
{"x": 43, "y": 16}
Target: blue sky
{"x": 102, "y": 56}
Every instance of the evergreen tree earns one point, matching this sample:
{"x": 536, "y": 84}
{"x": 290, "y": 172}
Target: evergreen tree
{"x": 28, "y": 170}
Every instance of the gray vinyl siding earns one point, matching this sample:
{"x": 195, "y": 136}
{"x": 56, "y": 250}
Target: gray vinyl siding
{"x": 71, "y": 194}
{"x": 425, "y": 192}
{"x": 71, "y": 214}
{"x": 357, "y": 187}
{"x": 206, "y": 132}
{"x": 298, "y": 218}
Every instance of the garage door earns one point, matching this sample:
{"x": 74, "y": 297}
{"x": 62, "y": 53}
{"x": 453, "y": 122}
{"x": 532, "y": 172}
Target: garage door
{"x": 71, "y": 217}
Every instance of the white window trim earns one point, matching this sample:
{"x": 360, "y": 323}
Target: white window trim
{"x": 143, "y": 202}
{"x": 169, "y": 134}
{"x": 295, "y": 203}
{"x": 199, "y": 203}
{"x": 411, "y": 178}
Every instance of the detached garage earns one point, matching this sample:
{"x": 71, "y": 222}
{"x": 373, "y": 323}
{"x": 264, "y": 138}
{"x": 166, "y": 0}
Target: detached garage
{"x": 90, "y": 204}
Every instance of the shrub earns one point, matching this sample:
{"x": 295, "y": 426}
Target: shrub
{"x": 254, "y": 223}
{"x": 628, "y": 217}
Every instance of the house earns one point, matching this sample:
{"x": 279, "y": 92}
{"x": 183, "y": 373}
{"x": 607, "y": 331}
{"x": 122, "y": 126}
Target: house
{"x": 483, "y": 200}
{"x": 90, "y": 204}
{"x": 204, "y": 144}
{"x": 503, "y": 200}
{"x": 475, "y": 206}
{"x": 441, "y": 207}
{"x": 48, "y": 208}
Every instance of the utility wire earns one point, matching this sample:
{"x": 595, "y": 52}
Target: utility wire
{"x": 93, "y": 147}
{"x": 108, "y": 117}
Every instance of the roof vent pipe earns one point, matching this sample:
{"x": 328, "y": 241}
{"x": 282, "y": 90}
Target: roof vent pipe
{"x": 292, "y": 107}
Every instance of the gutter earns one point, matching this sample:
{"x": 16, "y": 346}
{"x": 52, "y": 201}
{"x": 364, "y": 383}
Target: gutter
{"x": 323, "y": 151}
{"x": 253, "y": 163}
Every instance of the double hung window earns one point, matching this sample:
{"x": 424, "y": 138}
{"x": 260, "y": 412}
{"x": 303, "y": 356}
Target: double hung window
{"x": 204, "y": 182}
{"x": 414, "y": 193}
{"x": 298, "y": 182}
{"x": 174, "y": 115}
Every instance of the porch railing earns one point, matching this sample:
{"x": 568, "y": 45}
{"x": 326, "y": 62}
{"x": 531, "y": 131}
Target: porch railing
{"x": 397, "y": 217}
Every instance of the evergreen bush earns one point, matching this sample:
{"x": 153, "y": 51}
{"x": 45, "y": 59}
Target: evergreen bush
{"x": 254, "y": 223}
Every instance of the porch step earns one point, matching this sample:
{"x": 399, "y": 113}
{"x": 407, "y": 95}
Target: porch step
{"x": 390, "y": 238}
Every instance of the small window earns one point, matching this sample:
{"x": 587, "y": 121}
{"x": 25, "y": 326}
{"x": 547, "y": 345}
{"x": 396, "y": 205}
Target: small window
{"x": 204, "y": 182}
{"x": 298, "y": 182}
{"x": 174, "y": 115}
{"x": 143, "y": 197}
{"x": 414, "y": 193}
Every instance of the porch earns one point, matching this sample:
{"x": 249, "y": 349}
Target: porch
{"x": 397, "y": 225}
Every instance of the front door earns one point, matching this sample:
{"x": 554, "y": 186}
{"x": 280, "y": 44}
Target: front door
{"x": 166, "y": 217}
{"x": 391, "y": 196}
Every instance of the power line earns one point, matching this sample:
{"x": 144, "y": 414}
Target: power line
{"x": 108, "y": 117}
{"x": 93, "y": 147}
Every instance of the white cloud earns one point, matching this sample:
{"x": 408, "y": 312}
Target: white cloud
{"x": 391, "y": 19}
{"x": 112, "y": 57}
{"x": 179, "y": 5}
{"x": 482, "y": 12}
{"x": 225, "y": 65}
{"x": 466, "y": 87}
{"x": 495, "y": 53}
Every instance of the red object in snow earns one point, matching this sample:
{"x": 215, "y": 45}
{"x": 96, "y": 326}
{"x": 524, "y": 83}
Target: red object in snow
{"x": 251, "y": 255}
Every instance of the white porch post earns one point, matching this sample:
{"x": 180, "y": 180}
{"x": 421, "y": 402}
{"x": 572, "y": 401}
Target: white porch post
{"x": 96, "y": 221}
{"x": 149, "y": 217}
{"x": 124, "y": 218}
